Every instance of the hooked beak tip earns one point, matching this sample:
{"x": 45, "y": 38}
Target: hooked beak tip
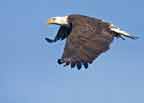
{"x": 49, "y": 21}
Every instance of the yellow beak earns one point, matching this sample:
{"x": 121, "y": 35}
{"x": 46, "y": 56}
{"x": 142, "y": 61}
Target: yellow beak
{"x": 50, "y": 21}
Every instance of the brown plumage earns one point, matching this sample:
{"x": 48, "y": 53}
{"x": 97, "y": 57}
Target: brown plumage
{"x": 86, "y": 38}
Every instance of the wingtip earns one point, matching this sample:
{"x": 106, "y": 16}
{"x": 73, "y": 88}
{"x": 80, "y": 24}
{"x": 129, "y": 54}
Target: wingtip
{"x": 49, "y": 40}
{"x": 60, "y": 61}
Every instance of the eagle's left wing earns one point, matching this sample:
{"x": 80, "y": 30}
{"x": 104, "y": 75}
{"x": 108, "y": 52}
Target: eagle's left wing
{"x": 84, "y": 44}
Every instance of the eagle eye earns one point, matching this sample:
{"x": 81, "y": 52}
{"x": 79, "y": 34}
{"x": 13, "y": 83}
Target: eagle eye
{"x": 54, "y": 19}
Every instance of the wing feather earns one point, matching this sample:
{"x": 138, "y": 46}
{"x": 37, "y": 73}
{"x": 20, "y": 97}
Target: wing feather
{"x": 62, "y": 33}
{"x": 84, "y": 44}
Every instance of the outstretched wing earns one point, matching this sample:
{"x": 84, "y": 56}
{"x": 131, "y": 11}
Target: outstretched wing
{"x": 84, "y": 44}
{"x": 62, "y": 33}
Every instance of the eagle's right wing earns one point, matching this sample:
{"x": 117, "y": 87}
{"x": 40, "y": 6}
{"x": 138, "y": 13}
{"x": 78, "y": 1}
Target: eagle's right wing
{"x": 62, "y": 33}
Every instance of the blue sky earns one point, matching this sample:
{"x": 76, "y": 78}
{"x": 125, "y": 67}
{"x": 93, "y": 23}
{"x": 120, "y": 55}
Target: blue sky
{"x": 28, "y": 69}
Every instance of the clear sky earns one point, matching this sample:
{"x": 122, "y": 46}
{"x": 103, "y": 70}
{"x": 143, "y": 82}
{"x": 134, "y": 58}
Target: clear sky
{"x": 28, "y": 69}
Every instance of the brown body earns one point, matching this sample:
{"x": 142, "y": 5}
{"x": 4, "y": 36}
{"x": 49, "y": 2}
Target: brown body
{"x": 86, "y": 38}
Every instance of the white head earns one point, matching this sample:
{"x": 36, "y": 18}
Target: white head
{"x": 58, "y": 20}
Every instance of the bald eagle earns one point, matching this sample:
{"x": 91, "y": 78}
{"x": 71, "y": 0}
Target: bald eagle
{"x": 86, "y": 38}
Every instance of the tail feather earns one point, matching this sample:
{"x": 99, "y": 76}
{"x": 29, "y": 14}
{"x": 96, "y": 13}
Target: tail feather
{"x": 121, "y": 33}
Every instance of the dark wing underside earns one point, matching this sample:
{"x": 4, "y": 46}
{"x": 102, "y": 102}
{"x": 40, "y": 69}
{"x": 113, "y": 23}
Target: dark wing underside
{"x": 84, "y": 44}
{"x": 62, "y": 33}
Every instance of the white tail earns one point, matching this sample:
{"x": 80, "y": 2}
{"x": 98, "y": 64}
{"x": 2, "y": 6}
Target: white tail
{"x": 121, "y": 32}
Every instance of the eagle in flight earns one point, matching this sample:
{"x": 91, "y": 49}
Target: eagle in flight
{"x": 86, "y": 38}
